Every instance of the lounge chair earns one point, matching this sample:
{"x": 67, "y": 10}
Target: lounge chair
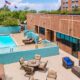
{"x": 42, "y": 66}
{"x": 67, "y": 62}
{"x": 2, "y": 73}
{"x": 30, "y": 41}
{"x": 37, "y": 57}
{"x": 26, "y": 39}
{"x": 52, "y": 75}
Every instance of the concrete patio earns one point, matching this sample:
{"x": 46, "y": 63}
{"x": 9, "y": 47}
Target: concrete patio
{"x": 13, "y": 71}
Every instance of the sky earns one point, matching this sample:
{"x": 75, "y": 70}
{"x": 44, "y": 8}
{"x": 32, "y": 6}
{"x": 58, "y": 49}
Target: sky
{"x": 33, "y": 4}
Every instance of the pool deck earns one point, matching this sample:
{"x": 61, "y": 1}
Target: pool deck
{"x": 13, "y": 71}
{"x": 18, "y": 37}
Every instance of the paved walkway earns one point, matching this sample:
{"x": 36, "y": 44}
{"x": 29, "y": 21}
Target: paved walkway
{"x": 18, "y": 37}
{"x": 13, "y": 71}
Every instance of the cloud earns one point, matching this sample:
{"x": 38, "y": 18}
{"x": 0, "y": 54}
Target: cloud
{"x": 2, "y": 2}
{"x": 40, "y": 6}
{"x": 17, "y": 1}
{"x": 36, "y": 6}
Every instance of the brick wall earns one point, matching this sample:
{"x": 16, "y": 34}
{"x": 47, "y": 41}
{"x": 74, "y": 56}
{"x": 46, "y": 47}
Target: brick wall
{"x": 69, "y": 5}
{"x": 66, "y": 24}
{"x": 79, "y": 2}
{"x": 61, "y": 4}
{"x": 65, "y": 48}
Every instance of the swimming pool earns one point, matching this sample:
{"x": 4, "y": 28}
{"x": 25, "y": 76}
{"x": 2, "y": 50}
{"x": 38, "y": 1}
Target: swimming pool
{"x": 6, "y": 41}
{"x": 11, "y": 54}
{"x": 9, "y": 29}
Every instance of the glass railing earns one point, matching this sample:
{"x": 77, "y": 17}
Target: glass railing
{"x": 15, "y": 49}
{"x": 25, "y": 47}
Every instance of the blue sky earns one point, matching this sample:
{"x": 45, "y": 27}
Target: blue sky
{"x": 40, "y": 1}
{"x": 33, "y": 4}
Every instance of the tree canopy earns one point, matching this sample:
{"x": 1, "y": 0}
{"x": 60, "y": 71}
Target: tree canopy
{"x": 8, "y": 17}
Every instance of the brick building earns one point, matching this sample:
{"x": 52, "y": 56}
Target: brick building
{"x": 63, "y": 29}
{"x": 69, "y": 4}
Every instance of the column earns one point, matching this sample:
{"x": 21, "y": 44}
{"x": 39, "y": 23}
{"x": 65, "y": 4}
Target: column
{"x": 79, "y": 55}
{"x": 54, "y": 36}
{"x": 46, "y": 33}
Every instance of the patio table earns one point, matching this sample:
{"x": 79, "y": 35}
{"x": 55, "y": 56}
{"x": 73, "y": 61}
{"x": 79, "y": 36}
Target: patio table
{"x": 33, "y": 63}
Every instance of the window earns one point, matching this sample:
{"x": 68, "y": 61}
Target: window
{"x": 68, "y": 40}
{"x": 58, "y": 35}
{"x": 62, "y": 36}
{"x": 42, "y": 30}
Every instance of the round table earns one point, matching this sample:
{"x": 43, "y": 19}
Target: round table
{"x": 32, "y": 63}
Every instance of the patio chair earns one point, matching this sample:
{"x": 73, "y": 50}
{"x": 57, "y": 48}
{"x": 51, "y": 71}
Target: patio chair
{"x": 2, "y": 73}
{"x": 28, "y": 70}
{"x": 52, "y": 75}
{"x": 42, "y": 66}
{"x": 67, "y": 62}
{"x": 40, "y": 41}
{"x": 37, "y": 57}
{"x": 22, "y": 62}
{"x": 32, "y": 78}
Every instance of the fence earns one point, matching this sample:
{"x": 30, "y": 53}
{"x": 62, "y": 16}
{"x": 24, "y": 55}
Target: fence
{"x": 9, "y": 29}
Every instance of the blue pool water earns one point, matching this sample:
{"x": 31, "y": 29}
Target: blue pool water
{"x": 6, "y": 41}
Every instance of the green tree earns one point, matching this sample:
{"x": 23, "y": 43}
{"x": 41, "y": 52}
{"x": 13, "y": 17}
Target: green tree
{"x": 75, "y": 8}
{"x": 8, "y": 17}
{"x": 15, "y": 14}
{"x": 22, "y": 16}
{"x": 5, "y": 8}
{"x": 32, "y": 11}
{"x": 44, "y": 11}
{"x": 10, "y": 22}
